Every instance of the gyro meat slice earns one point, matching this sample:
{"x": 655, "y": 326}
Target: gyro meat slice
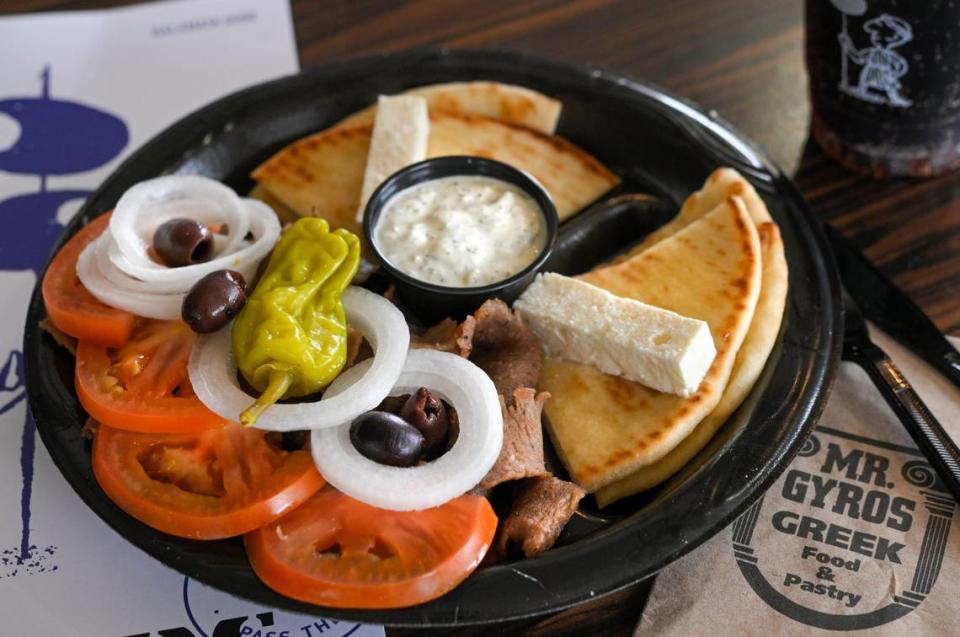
{"x": 539, "y": 513}
{"x": 446, "y": 336}
{"x": 505, "y": 348}
{"x": 521, "y": 455}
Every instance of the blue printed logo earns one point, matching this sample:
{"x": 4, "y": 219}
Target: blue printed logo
{"x": 57, "y": 137}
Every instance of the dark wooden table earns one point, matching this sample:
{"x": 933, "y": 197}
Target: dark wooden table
{"x": 742, "y": 58}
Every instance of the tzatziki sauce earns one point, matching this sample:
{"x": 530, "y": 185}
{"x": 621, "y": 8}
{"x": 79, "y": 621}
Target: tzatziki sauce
{"x": 461, "y": 231}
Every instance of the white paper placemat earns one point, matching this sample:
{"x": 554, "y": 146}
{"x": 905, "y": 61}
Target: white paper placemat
{"x": 854, "y": 538}
{"x": 78, "y": 92}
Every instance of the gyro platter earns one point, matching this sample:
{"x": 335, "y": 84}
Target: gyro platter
{"x": 432, "y": 338}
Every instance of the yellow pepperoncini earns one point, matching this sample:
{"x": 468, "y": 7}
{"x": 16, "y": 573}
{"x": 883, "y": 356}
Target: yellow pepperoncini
{"x": 290, "y": 339}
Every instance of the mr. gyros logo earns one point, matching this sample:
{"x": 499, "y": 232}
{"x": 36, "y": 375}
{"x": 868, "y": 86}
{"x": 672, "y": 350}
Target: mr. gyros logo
{"x": 850, "y": 515}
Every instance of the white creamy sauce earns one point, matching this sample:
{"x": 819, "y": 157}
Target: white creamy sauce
{"x": 461, "y": 231}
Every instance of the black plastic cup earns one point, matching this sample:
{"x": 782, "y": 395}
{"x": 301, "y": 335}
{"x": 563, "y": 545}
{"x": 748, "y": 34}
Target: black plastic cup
{"x": 430, "y": 302}
{"x": 885, "y": 84}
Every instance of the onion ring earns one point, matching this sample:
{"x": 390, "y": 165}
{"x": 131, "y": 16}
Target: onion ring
{"x": 458, "y": 381}
{"x": 148, "y": 204}
{"x": 165, "y": 307}
{"x": 118, "y": 270}
{"x": 213, "y": 370}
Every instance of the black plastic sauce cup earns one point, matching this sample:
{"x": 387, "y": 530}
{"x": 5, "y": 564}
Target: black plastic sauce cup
{"x": 430, "y": 302}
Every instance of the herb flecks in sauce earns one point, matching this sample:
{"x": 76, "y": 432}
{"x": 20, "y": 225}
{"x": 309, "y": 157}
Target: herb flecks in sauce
{"x": 461, "y": 231}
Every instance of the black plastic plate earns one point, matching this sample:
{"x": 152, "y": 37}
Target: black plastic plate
{"x": 659, "y": 145}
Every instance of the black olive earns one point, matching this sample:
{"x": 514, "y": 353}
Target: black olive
{"x": 427, "y": 413}
{"x": 214, "y": 300}
{"x": 180, "y": 242}
{"x": 386, "y": 438}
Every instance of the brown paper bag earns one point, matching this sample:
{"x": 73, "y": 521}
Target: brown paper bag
{"x": 854, "y": 536}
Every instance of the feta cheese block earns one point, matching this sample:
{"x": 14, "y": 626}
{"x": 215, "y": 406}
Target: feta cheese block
{"x": 400, "y": 132}
{"x": 585, "y": 324}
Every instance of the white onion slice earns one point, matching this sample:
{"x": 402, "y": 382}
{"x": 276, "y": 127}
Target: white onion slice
{"x": 126, "y": 282}
{"x": 165, "y": 307}
{"x": 146, "y": 205}
{"x": 213, "y": 370}
{"x": 233, "y": 255}
{"x": 462, "y": 384}
{"x": 118, "y": 270}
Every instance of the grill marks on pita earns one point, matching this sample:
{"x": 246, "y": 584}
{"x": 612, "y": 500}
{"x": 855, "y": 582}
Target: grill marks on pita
{"x": 605, "y": 427}
{"x": 324, "y": 171}
{"x": 504, "y": 102}
{"x": 756, "y": 348}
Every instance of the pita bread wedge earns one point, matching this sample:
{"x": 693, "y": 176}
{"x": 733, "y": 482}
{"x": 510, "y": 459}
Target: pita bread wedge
{"x": 505, "y": 102}
{"x": 756, "y": 348}
{"x": 324, "y": 172}
{"x": 571, "y": 176}
{"x": 720, "y": 185}
{"x": 749, "y": 363}
{"x": 605, "y": 427}
{"x": 284, "y": 213}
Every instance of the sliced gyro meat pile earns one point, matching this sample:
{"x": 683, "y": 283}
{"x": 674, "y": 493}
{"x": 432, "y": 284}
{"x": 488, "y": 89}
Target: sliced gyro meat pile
{"x": 496, "y": 339}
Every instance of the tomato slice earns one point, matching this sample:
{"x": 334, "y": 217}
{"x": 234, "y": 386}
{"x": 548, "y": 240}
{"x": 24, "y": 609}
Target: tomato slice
{"x": 71, "y": 308}
{"x": 143, "y": 385}
{"x": 339, "y": 552}
{"x": 207, "y": 485}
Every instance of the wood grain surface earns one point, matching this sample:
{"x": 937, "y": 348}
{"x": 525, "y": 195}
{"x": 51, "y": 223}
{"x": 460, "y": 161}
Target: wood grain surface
{"x": 741, "y": 58}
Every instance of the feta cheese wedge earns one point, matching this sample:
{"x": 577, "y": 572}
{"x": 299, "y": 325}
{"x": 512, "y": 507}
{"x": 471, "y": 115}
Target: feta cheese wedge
{"x": 400, "y": 131}
{"x": 585, "y": 324}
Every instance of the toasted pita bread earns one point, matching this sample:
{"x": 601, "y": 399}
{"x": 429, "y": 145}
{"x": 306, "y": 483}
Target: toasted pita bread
{"x": 284, "y": 213}
{"x": 605, "y": 427}
{"x": 571, "y": 176}
{"x": 749, "y": 363}
{"x": 722, "y": 184}
{"x": 324, "y": 172}
{"x": 757, "y": 345}
{"x": 505, "y": 102}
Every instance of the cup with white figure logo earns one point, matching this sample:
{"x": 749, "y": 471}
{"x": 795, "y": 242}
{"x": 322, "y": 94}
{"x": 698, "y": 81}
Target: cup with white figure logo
{"x": 885, "y": 84}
